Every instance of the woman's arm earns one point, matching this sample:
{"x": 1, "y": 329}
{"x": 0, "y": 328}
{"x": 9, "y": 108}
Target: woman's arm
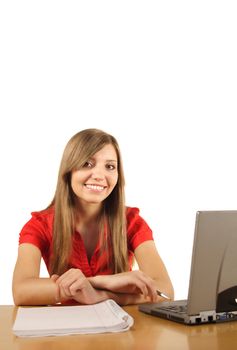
{"x": 150, "y": 262}
{"x": 138, "y": 286}
{"x": 125, "y": 288}
{"x": 27, "y": 287}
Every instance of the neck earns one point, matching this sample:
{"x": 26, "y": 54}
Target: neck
{"x": 87, "y": 212}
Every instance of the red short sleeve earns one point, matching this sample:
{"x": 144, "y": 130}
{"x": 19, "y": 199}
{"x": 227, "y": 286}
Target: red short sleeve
{"x": 138, "y": 230}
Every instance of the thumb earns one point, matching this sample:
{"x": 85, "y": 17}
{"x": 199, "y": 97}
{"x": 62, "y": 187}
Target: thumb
{"x": 54, "y": 277}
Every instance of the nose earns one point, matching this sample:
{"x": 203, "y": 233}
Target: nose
{"x": 98, "y": 174}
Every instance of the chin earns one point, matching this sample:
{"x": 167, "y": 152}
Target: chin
{"x": 95, "y": 201}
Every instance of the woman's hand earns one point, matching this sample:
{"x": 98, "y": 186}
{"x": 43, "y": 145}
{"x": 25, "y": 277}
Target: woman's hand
{"x": 133, "y": 282}
{"x": 74, "y": 285}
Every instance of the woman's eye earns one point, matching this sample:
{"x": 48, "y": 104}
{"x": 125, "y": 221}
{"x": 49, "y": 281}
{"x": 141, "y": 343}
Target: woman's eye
{"x": 88, "y": 165}
{"x": 110, "y": 167}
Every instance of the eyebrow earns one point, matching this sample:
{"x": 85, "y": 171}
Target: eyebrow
{"x": 106, "y": 160}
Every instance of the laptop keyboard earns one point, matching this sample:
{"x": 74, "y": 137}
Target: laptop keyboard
{"x": 181, "y": 309}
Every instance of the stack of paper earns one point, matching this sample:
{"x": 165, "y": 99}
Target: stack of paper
{"x": 106, "y": 316}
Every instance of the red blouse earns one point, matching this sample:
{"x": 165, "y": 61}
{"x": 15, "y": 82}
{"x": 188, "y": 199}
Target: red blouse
{"x": 38, "y": 231}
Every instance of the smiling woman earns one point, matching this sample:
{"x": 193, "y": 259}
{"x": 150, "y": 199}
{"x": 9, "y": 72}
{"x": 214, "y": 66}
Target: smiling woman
{"x": 87, "y": 237}
{"x": 97, "y": 178}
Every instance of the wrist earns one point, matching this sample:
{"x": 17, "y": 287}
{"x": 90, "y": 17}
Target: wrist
{"x": 124, "y": 299}
{"x": 119, "y": 298}
{"x": 58, "y": 299}
{"x": 92, "y": 280}
{"x": 98, "y": 282}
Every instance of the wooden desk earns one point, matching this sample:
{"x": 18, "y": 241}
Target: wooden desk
{"x": 148, "y": 332}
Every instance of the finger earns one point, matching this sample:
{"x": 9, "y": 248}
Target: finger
{"x": 71, "y": 282}
{"x": 152, "y": 293}
{"x": 54, "y": 277}
{"x": 65, "y": 289}
{"x": 144, "y": 290}
{"x": 149, "y": 285}
{"x": 140, "y": 285}
{"x": 63, "y": 295}
{"x": 80, "y": 286}
{"x": 72, "y": 272}
{"x": 65, "y": 286}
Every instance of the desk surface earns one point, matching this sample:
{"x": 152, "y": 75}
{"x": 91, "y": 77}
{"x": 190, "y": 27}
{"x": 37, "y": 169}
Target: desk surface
{"x": 148, "y": 332}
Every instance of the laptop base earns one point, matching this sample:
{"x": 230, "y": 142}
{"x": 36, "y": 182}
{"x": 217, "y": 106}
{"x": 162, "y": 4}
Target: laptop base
{"x": 204, "y": 317}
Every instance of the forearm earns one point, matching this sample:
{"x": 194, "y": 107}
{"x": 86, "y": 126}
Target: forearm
{"x": 106, "y": 284}
{"x": 124, "y": 299}
{"x": 35, "y": 291}
{"x": 124, "y": 287}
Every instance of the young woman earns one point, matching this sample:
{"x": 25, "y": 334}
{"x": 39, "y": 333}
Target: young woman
{"x": 87, "y": 237}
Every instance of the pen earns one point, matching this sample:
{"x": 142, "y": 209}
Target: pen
{"x": 162, "y": 295}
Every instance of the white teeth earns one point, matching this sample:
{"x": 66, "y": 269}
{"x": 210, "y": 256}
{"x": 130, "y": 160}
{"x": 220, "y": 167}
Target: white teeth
{"x": 95, "y": 187}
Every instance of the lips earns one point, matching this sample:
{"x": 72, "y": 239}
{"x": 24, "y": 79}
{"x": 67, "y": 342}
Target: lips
{"x": 98, "y": 188}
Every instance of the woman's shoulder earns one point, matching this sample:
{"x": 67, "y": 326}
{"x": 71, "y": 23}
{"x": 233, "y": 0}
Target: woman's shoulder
{"x": 38, "y": 230}
{"x": 134, "y": 219}
{"x": 137, "y": 228}
{"x": 132, "y": 215}
{"x": 132, "y": 211}
{"x": 45, "y": 215}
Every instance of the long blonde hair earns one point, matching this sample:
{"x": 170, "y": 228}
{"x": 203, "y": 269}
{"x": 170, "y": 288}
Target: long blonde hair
{"x": 78, "y": 150}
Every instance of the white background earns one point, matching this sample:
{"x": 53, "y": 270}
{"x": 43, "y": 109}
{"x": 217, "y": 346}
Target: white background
{"x": 161, "y": 76}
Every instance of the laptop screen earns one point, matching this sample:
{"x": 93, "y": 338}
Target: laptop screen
{"x": 213, "y": 275}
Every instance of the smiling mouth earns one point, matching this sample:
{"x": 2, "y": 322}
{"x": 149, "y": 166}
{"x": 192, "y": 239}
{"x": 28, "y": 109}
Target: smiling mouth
{"x": 95, "y": 187}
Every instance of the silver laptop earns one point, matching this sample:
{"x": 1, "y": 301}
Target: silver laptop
{"x": 212, "y": 295}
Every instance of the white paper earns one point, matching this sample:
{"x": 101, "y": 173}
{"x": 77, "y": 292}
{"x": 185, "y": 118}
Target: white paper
{"x": 106, "y": 316}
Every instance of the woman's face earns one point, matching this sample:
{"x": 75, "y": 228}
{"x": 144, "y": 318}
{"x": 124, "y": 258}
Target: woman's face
{"x": 97, "y": 178}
